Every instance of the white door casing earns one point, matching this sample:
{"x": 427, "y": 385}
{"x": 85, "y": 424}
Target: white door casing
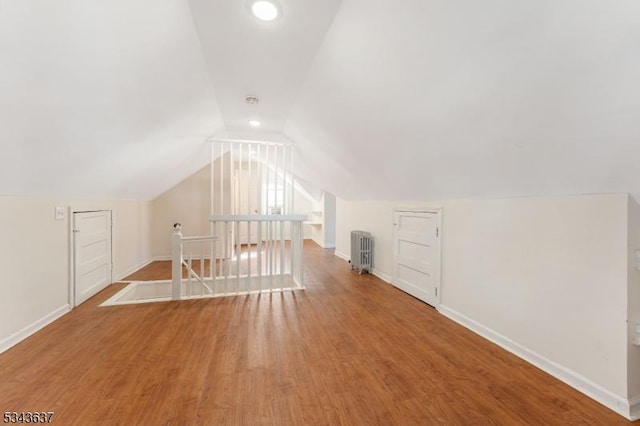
{"x": 416, "y": 251}
{"x": 92, "y": 263}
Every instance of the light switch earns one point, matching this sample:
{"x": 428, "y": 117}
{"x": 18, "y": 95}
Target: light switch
{"x": 60, "y": 213}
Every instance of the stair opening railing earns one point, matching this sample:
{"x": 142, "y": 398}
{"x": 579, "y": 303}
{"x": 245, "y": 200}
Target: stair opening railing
{"x": 190, "y": 253}
{"x": 260, "y": 252}
{"x": 267, "y": 258}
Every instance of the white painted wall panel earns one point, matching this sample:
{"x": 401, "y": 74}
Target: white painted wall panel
{"x": 101, "y": 99}
{"x": 548, "y": 273}
{"x": 34, "y": 255}
{"x": 188, "y": 203}
{"x": 634, "y": 301}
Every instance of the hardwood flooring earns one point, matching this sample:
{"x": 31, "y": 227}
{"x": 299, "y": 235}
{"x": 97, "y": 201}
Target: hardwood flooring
{"x": 350, "y": 350}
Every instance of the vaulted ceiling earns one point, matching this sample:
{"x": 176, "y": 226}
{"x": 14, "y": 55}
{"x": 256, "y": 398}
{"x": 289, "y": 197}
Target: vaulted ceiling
{"x": 410, "y": 99}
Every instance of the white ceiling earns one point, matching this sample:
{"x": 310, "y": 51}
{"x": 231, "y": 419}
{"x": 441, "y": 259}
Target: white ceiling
{"x": 246, "y": 56}
{"x": 101, "y": 98}
{"x": 447, "y": 99}
{"x": 411, "y": 99}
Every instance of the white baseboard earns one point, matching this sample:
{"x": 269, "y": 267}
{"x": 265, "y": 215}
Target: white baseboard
{"x": 130, "y": 271}
{"x": 384, "y": 277}
{"x": 634, "y": 408}
{"x": 341, "y": 255}
{"x": 322, "y": 244}
{"x": 19, "y": 336}
{"x": 378, "y": 273}
{"x": 605, "y": 397}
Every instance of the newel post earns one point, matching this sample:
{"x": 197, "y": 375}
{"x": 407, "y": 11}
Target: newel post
{"x": 176, "y": 261}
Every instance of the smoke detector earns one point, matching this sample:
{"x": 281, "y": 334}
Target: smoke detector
{"x": 252, "y": 100}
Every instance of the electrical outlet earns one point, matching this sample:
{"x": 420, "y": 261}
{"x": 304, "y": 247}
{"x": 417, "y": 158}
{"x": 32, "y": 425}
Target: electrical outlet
{"x": 60, "y": 213}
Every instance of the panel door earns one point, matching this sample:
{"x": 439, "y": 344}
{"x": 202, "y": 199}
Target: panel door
{"x": 92, "y": 253}
{"x": 416, "y": 248}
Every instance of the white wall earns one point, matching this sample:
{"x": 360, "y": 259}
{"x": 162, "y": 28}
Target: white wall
{"x": 325, "y": 234}
{"x": 303, "y": 204}
{"x": 373, "y": 216}
{"x": 131, "y": 234}
{"x": 329, "y": 216}
{"x": 34, "y": 257}
{"x": 90, "y": 90}
{"x": 547, "y": 274}
{"x": 634, "y": 304}
{"x": 188, "y": 203}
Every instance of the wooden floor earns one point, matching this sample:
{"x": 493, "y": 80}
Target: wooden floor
{"x": 350, "y": 350}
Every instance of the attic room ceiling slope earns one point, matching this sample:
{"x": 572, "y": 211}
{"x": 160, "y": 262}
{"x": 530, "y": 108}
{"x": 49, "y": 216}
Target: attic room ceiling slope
{"x": 411, "y": 99}
{"x": 101, "y": 99}
{"x": 246, "y": 56}
{"x": 448, "y": 99}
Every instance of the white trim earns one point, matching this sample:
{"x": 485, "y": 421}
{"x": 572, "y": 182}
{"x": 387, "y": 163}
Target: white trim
{"x": 605, "y": 397}
{"x": 384, "y": 277}
{"x": 115, "y": 300}
{"x": 634, "y": 408}
{"x": 169, "y": 258}
{"x": 258, "y": 217}
{"x": 377, "y": 272}
{"x": 341, "y": 255}
{"x": 326, "y": 246}
{"x": 418, "y": 209}
{"x": 120, "y": 276}
{"x": 27, "y": 331}
{"x": 72, "y": 270}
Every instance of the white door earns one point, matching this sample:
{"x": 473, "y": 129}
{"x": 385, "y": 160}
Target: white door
{"x": 416, "y": 248}
{"x": 91, "y": 253}
{"x": 248, "y": 188}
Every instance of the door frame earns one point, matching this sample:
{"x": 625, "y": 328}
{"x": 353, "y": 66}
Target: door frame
{"x": 72, "y": 249}
{"x": 431, "y": 210}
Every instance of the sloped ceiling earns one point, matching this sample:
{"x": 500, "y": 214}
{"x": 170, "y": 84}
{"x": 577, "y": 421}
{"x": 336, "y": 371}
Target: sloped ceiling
{"x": 101, "y": 98}
{"x": 430, "y": 99}
{"x": 246, "y": 56}
{"x": 410, "y": 99}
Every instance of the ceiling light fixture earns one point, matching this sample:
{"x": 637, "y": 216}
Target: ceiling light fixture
{"x": 252, "y": 100}
{"x": 255, "y": 123}
{"x": 265, "y": 10}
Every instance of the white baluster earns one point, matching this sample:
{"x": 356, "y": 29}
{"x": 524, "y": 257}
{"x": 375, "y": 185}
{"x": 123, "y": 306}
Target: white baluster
{"x": 176, "y": 262}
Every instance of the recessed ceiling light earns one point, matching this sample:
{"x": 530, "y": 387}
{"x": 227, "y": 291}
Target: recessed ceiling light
{"x": 265, "y": 10}
{"x": 255, "y": 123}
